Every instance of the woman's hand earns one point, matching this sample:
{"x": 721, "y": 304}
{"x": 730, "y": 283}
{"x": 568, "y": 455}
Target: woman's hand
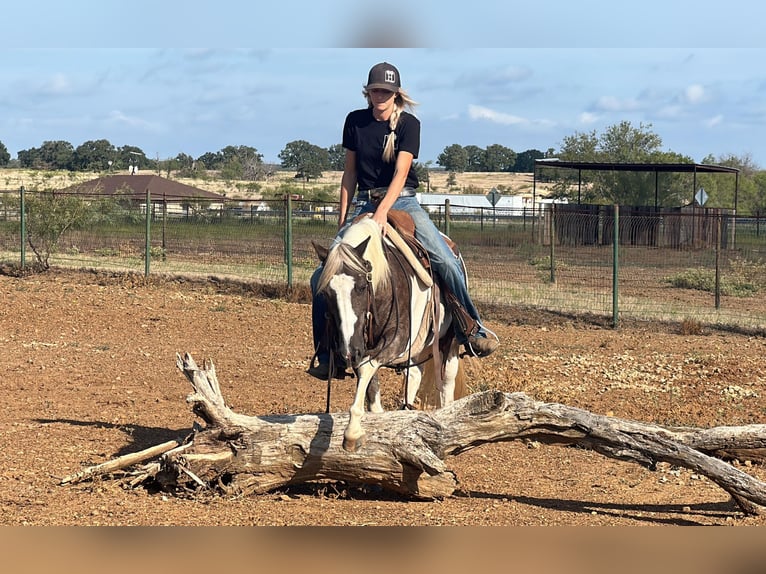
{"x": 381, "y": 218}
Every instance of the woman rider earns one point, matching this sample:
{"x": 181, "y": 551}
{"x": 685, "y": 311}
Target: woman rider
{"x": 381, "y": 142}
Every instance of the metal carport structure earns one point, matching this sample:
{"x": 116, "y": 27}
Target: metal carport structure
{"x": 657, "y": 168}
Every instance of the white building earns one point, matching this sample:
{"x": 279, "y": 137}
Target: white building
{"x": 471, "y": 202}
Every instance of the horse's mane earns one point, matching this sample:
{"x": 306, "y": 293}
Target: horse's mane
{"x": 342, "y": 253}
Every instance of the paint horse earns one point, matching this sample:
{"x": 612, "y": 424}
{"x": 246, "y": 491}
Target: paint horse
{"x": 386, "y": 313}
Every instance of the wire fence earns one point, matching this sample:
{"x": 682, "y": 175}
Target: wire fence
{"x": 692, "y": 264}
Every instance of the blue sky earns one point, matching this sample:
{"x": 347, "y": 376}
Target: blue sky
{"x": 536, "y": 79}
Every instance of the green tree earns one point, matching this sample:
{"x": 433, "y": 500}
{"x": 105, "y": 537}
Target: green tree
{"x": 241, "y": 162}
{"x": 475, "y": 156}
{"x": 210, "y": 160}
{"x": 49, "y": 215}
{"x": 124, "y": 157}
{"x": 5, "y": 157}
{"x": 56, "y": 155}
{"x": 722, "y": 188}
{"x": 454, "y": 158}
{"x": 93, "y": 155}
{"x": 308, "y": 160}
{"x": 525, "y": 161}
{"x": 423, "y": 173}
{"x": 29, "y": 158}
{"x": 337, "y": 155}
{"x": 621, "y": 143}
{"x": 498, "y": 158}
{"x": 758, "y": 205}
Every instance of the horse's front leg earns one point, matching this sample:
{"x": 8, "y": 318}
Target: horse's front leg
{"x": 354, "y": 434}
{"x": 412, "y": 385}
{"x": 451, "y": 367}
{"x": 373, "y": 395}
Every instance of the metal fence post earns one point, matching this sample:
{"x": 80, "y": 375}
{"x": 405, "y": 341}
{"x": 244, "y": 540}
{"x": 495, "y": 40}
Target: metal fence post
{"x": 148, "y": 240}
{"x": 289, "y": 241}
{"x": 718, "y": 262}
{"x": 23, "y": 226}
{"x": 616, "y": 268}
{"x": 553, "y": 241}
{"x": 447, "y": 217}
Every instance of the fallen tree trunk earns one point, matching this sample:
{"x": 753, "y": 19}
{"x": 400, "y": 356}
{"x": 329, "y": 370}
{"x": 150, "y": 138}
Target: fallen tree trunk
{"x": 405, "y": 451}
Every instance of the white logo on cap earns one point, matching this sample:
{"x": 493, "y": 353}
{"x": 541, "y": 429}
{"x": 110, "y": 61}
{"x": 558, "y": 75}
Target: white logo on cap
{"x": 390, "y": 77}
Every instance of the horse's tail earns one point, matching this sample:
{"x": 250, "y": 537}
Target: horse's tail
{"x": 428, "y": 394}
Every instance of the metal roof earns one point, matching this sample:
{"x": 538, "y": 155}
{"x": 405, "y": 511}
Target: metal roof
{"x": 617, "y": 166}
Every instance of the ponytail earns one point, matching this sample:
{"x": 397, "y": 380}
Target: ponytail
{"x": 401, "y": 101}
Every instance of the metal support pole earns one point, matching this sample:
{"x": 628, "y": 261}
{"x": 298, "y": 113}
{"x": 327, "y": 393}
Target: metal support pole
{"x": 289, "y": 240}
{"x": 616, "y": 268}
{"x": 148, "y": 240}
{"x": 553, "y": 242}
{"x": 23, "y": 226}
{"x": 447, "y": 217}
{"x": 717, "y": 262}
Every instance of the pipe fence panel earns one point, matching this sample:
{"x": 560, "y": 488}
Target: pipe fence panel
{"x": 699, "y": 264}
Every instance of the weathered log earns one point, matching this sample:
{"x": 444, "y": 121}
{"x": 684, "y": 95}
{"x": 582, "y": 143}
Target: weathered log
{"x": 405, "y": 451}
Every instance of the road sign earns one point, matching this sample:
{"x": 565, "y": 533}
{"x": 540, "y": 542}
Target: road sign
{"x": 494, "y": 196}
{"x": 701, "y": 196}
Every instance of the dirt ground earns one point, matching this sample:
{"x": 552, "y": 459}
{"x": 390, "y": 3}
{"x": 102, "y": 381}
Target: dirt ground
{"x": 89, "y": 374}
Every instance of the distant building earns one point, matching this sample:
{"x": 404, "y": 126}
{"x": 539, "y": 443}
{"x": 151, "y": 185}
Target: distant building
{"x": 471, "y": 202}
{"x": 174, "y": 196}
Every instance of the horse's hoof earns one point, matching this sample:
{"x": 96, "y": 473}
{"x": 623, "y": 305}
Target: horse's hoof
{"x": 353, "y": 444}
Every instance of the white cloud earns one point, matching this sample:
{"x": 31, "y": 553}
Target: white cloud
{"x": 117, "y": 116}
{"x": 613, "y": 104}
{"x": 57, "y": 85}
{"x": 714, "y": 121}
{"x": 588, "y": 118}
{"x": 482, "y": 113}
{"x": 670, "y": 112}
{"x": 695, "y": 94}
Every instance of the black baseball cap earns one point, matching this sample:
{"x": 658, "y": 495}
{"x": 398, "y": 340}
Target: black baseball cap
{"x": 383, "y": 76}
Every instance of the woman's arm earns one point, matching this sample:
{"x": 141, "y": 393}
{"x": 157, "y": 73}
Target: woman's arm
{"x": 347, "y": 186}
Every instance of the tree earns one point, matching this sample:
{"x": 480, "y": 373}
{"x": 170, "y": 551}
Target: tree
{"x": 475, "y": 156}
{"x": 759, "y": 194}
{"x": 721, "y": 190}
{"x": 454, "y": 158}
{"x": 95, "y": 155}
{"x": 621, "y": 143}
{"x": 241, "y": 162}
{"x": 525, "y": 161}
{"x": 498, "y": 158}
{"x": 5, "y": 157}
{"x": 337, "y": 155}
{"x": 210, "y": 160}
{"x": 308, "y": 160}
{"x": 49, "y": 215}
{"x": 422, "y": 171}
{"x": 29, "y": 158}
{"x": 56, "y": 155}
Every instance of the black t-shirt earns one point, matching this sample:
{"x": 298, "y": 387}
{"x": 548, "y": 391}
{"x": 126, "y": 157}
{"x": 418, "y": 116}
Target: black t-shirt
{"x": 366, "y": 136}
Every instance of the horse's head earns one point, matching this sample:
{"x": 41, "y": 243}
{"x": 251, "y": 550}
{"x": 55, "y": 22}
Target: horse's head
{"x": 355, "y": 270}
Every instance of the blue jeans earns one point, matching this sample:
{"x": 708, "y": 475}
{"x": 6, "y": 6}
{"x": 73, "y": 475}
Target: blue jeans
{"x": 444, "y": 262}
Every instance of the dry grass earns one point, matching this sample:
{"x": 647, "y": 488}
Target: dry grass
{"x": 690, "y": 326}
{"x": 509, "y": 183}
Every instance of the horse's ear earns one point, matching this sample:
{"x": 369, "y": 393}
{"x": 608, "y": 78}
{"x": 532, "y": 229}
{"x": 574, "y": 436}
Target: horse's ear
{"x": 362, "y": 247}
{"x": 321, "y": 250}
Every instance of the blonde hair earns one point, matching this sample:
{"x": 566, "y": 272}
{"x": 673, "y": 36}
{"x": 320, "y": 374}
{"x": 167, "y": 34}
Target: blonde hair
{"x": 401, "y": 101}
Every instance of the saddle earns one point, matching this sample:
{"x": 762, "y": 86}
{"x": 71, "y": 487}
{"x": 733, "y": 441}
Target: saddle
{"x": 404, "y": 226}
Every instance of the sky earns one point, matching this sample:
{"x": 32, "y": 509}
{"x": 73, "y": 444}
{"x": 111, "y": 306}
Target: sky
{"x": 521, "y": 77}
